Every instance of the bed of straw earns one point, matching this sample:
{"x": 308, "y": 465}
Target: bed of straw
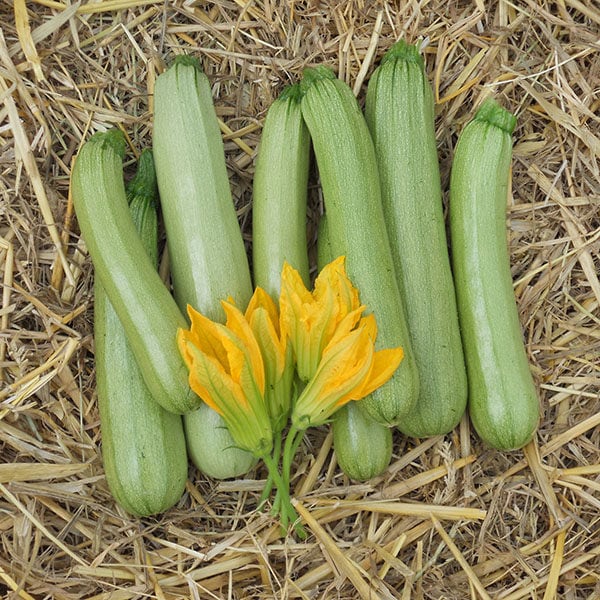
{"x": 450, "y": 518}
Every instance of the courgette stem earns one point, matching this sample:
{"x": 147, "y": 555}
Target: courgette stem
{"x": 287, "y": 513}
{"x": 276, "y": 454}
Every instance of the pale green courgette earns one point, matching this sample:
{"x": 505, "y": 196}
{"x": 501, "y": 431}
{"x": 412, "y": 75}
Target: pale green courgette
{"x": 503, "y": 403}
{"x": 145, "y": 307}
{"x": 143, "y": 445}
{"x": 279, "y": 194}
{"x": 399, "y": 112}
{"x": 363, "y": 447}
{"x": 351, "y": 192}
{"x": 208, "y": 260}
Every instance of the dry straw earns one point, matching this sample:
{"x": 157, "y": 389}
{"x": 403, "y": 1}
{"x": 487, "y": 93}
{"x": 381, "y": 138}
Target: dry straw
{"x": 449, "y": 518}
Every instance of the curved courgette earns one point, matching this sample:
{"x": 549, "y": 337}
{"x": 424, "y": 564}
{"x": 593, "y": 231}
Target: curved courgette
{"x": 503, "y": 403}
{"x": 399, "y": 112}
{"x": 143, "y": 445}
{"x": 145, "y": 307}
{"x": 351, "y": 192}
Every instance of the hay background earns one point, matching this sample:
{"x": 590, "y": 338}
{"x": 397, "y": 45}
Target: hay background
{"x": 69, "y": 70}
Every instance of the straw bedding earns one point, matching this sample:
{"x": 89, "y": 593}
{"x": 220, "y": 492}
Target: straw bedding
{"x": 450, "y": 518}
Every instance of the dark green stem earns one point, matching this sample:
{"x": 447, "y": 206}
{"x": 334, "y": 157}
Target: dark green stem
{"x": 287, "y": 513}
{"x": 401, "y": 51}
{"x": 491, "y": 112}
{"x": 292, "y": 441}
{"x": 270, "y": 483}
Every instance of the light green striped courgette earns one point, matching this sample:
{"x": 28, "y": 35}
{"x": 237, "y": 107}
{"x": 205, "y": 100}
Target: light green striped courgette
{"x": 363, "y": 447}
{"x": 145, "y": 307}
{"x": 503, "y": 403}
{"x": 279, "y": 194}
{"x": 400, "y": 115}
{"x": 351, "y": 192}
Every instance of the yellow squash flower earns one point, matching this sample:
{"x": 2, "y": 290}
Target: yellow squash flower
{"x": 350, "y": 369}
{"x": 263, "y": 316}
{"x": 227, "y": 371}
{"x": 310, "y": 319}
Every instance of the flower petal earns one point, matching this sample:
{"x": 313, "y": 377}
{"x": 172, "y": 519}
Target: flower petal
{"x": 242, "y": 410}
{"x": 369, "y": 322}
{"x": 328, "y": 277}
{"x": 347, "y": 324}
{"x": 212, "y": 383}
{"x": 333, "y": 276}
{"x": 205, "y": 335}
{"x": 311, "y": 319}
{"x": 384, "y": 364}
{"x": 343, "y": 367}
{"x": 260, "y": 299}
{"x": 245, "y": 343}
{"x": 273, "y": 349}
{"x": 293, "y": 299}
{"x": 263, "y": 317}
{"x": 226, "y": 370}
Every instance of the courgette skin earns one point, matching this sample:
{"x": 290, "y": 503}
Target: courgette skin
{"x": 214, "y": 453}
{"x": 400, "y": 114}
{"x": 279, "y": 194}
{"x": 143, "y": 445}
{"x": 145, "y": 307}
{"x": 351, "y": 191}
{"x": 208, "y": 260}
{"x": 503, "y": 403}
{"x": 363, "y": 447}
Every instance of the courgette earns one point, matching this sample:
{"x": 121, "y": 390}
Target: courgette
{"x": 208, "y": 260}
{"x": 352, "y": 196}
{"x": 400, "y": 114}
{"x": 279, "y": 194}
{"x": 363, "y": 447}
{"x": 143, "y": 445}
{"x": 503, "y": 403}
{"x": 145, "y": 307}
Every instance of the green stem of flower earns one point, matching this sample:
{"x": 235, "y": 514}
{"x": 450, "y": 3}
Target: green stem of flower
{"x": 287, "y": 513}
{"x": 292, "y": 441}
{"x": 269, "y": 483}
